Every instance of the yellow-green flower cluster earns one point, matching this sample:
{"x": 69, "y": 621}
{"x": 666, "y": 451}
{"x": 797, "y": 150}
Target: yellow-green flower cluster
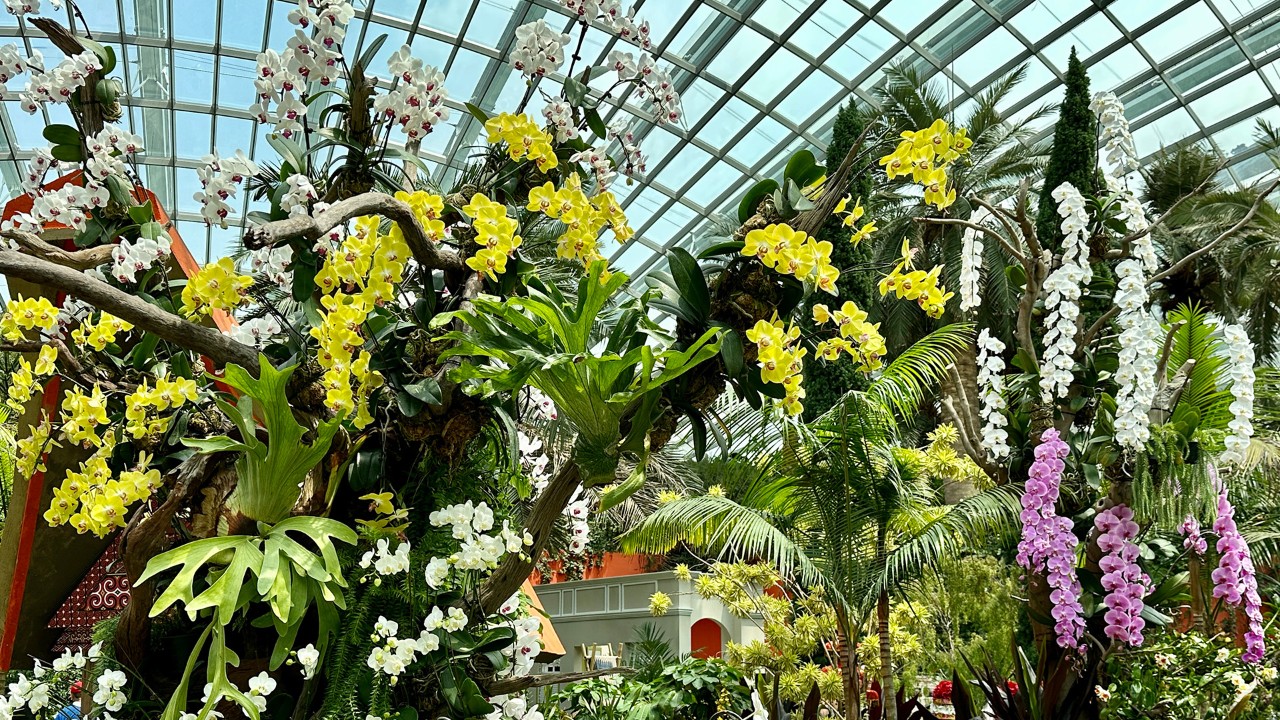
{"x": 861, "y": 339}
{"x": 371, "y": 261}
{"x": 659, "y": 604}
{"x": 524, "y": 139}
{"x": 31, "y": 448}
{"x": 93, "y": 500}
{"x": 427, "y": 208}
{"x": 792, "y": 252}
{"x": 216, "y": 287}
{"x": 908, "y": 283}
{"x": 82, "y": 414}
{"x": 781, "y": 360}
{"x": 925, "y": 155}
{"x": 23, "y": 380}
{"x": 495, "y": 233}
{"x": 98, "y": 335}
{"x": 27, "y": 314}
{"x": 343, "y": 357}
{"x": 849, "y": 217}
{"x": 584, "y": 217}
{"x": 143, "y": 404}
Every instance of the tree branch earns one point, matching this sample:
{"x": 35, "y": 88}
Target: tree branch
{"x": 197, "y": 338}
{"x": 74, "y": 259}
{"x": 1028, "y": 229}
{"x": 1169, "y": 213}
{"x": 507, "y": 686}
{"x": 975, "y": 226}
{"x": 515, "y": 567}
{"x": 1209, "y": 246}
{"x": 427, "y": 254}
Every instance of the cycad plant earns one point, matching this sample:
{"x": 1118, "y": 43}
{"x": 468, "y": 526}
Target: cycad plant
{"x": 843, "y": 503}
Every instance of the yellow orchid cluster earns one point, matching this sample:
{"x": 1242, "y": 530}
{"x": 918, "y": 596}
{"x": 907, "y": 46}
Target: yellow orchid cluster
{"x": 23, "y": 380}
{"x": 143, "y": 404}
{"x": 216, "y": 287}
{"x": 82, "y": 413}
{"x": 495, "y": 233}
{"x": 910, "y": 284}
{"x": 340, "y": 339}
{"x": 861, "y": 339}
{"x": 427, "y": 208}
{"x": 102, "y": 333}
{"x": 31, "y": 449}
{"x": 583, "y": 216}
{"x": 93, "y": 500}
{"x": 524, "y": 139}
{"x": 27, "y": 314}
{"x": 792, "y": 252}
{"x": 924, "y": 155}
{"x": 849, "y": 217}
{"x": 370, "y": 260}
{"x": 781, "y": 360}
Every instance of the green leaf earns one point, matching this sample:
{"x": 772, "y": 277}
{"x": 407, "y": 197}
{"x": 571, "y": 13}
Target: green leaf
{"x": 575, "y": 92}
{"x": 366, "y": 57}
{"x": 290, "y": 151}
{"x": 220, "y": 443}
{"x": 144, "y": 352}
{"x": 752, "y": 199}
{"x": 803, "y": 169}
{"x": 729, "y": 247}
{"x": 691, "y": 283}
{"x": 67, "y": 153}
{"x": 141, "y": 214}
{"x": 189, "y": 558}
{"x": 151, "y": 230}
{"x": 477, "y": 113}
{"x": 364, "y": 472}
{"x": 427, "y": 390}
{"x": 596, "y": 123}
{"x": 304, "y": 278}
{"x": 615, "y": 495}
{"x": 731, "y": 352}
{"x": 62, "y": 135}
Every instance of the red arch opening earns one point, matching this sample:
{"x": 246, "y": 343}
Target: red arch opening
{"x": 706, "y": 639}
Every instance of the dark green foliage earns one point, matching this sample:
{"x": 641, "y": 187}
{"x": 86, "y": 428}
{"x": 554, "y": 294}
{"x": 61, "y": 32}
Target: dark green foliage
{"x": 691, "y": 689}
{"x": 825, "y": 382}
{"x": 1074, "y": 154}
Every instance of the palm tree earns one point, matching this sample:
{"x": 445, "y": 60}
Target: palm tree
{"x": 843, "y": 503}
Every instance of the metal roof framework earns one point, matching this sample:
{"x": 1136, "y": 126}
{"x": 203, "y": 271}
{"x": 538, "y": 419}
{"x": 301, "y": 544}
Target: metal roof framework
{"x": 760, "y": 79}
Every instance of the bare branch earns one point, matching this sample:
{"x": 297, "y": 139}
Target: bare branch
{"x": 197, "y": 338}
{"x": 975, "y": 226}
{"x": 998, "y": 213}
{"x": 1209, "y": 246}
{"x": 1028, "y": 228}
{"x": 811, "y": 220}
{"x": 1169, "y": 213}
{"x": 507, "y": 686}
{"x": 1098, "y": 325}
{"x": 74, "y": 259}
{"x": 424, "y": 251}
{"x": 35, "y": 346}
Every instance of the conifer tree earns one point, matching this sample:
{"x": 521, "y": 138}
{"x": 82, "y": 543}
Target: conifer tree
{"x": 1074, "y": 154}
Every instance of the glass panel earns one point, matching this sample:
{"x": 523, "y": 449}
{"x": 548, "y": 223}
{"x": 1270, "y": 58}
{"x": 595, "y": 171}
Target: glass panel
{"x": 1233, "y": 98}
{"x": 243, "y": 24}
{"x": 1088, "y": 37}
{"x": 778, "y": 70}
{"x": 1240, "y": 138}
{"x": 991, "y": 53}
{"x": 235, "y": 82}
{"x": 1041, "y": 17}
{"x": 906, "y": 15}
{"x": 1176, "y": 33}
{"x": 196, "y": 22}
{"x": 732, "y": 116}
{"x": 720, "y": 179}
{"x": 1263, "y": 35}
{"x": 194, "y": 77}
{"x": 489, "y": 26}
{"x": 1121, "y": 65}
{"x": 192, "y": 134}
{"x": 799, "y": 104}
{"x": 445, "y": 15}
{"x": 1212, "y": 62}
{"x": 960, "y": 27}
{"x": 1167, "y": 130}
{"x": 743, "y": 49}
{"x": 146, "y": 19}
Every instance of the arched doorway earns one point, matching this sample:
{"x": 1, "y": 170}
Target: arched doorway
{"x": 706, "y": 639}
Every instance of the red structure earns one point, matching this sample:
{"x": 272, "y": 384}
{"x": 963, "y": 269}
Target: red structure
{"x": 707, "y": 639}
{"x": 102, "y": 594}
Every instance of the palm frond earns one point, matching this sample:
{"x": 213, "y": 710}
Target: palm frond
{"x": 908, "y": 380}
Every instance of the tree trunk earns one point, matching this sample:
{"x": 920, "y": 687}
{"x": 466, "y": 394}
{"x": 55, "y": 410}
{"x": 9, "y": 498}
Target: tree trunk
{"x": 888, "y": 700}
{"x": 848, "y": 654}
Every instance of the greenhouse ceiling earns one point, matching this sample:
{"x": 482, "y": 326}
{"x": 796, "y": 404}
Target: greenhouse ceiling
{"x": 759, "y": 79}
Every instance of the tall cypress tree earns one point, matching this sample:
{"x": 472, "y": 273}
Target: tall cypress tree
{"x": 1074, "y": 154}
{"x": 825, "y": 382}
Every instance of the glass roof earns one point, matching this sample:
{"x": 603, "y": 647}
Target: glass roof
{"x": 759, "y": 78}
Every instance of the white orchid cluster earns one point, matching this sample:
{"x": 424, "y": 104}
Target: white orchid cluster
{"x": 577, "y": 511}
{"x": 1064, "y": 286}
{"x": 308, "y": 658}
{"x": 611, "y": 15}
{"x": 539, "y": 401}
{"x": 1139, "y": 356}
{"x": 633, "y": 161}
{"x": 394, "y": 654}
{"x": 131, "y": 257}
{"x": 416, "y": 103}
{"x": 1117, "y": 142}
{"x": 71, "y": 204}
{"x": 301, "y": 193}
{"x": 260, "y": 686}
{"x": 55, "y": 86}
{"x": 1240, "y": 363}
{"x": 971, "y": 262}
{"x": 600, "y": 164}
{"x": 34, "y": 693}
{"x": 559, "y": 115}
{"x": 22, "y": 7}
{"x": 256, "y": 332}
{"x": 313, "y": 58}
{"x": 513, "y": 708}
{"x": 219, "y": 178}
{"x": 386, "y": 562}
{"x": 534, "y": 460}
{"x": 652, "y": 84}
{"x": 478, "y": 550}
{"x": 539, "y": 49}
{"x": 273, "y": 263}
{"x": 1121, "y": 158}
{"x": 528, "y": 629}
{"x": 995, "y": 439}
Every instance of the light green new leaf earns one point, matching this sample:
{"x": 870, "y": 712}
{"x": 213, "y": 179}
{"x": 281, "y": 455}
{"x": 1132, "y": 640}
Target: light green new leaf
{"x": 191, "y": 557}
